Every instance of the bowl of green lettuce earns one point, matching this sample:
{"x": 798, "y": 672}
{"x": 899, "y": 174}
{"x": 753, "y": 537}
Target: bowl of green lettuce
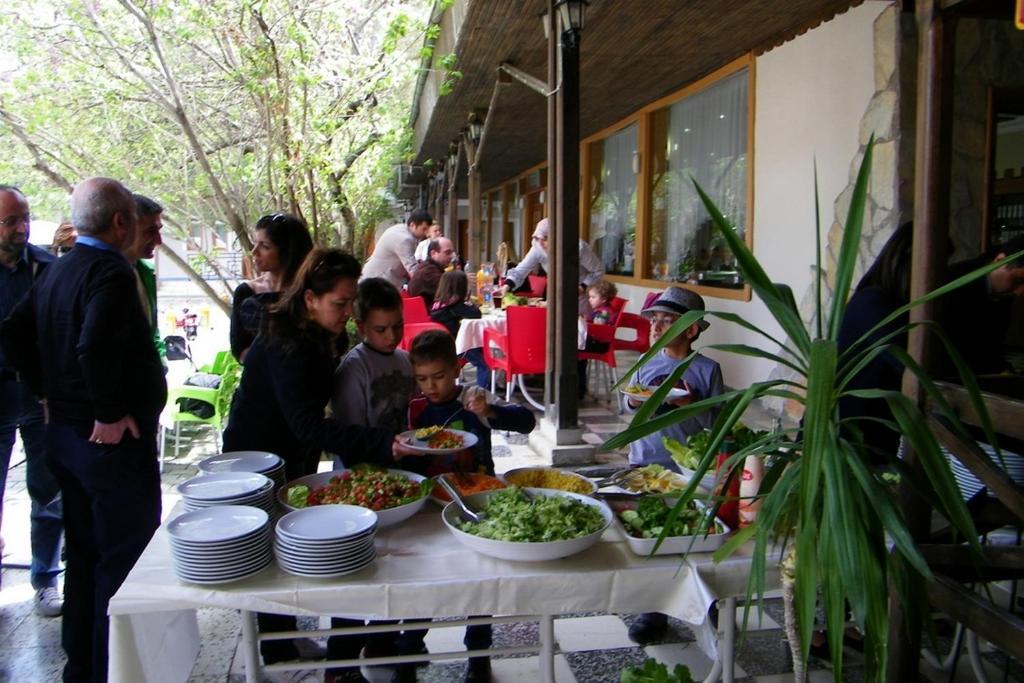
{"x": 549, "y": 525}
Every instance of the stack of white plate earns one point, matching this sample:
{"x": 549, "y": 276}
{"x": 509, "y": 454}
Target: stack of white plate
{"x": 970, "y": 484}
{"x": 247, "y": 461}
{"x": 228, "y": 488}
{"x": 326, "y": 540}
{"x": 220, "y": 544}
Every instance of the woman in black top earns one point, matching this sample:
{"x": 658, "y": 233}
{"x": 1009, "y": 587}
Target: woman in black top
{"x": 281, "y": 242}
{"x": 280, "y": 403}
{"x": 450, "y": 308}
{"x": 884, "y": 288}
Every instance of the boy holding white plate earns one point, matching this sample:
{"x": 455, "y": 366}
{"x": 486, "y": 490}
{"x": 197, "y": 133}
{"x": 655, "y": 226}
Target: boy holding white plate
{"x": 702, "y": 379}
{"x": 470, "y": 409}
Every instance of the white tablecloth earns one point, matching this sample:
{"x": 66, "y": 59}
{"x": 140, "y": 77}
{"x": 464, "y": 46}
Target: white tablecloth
{"x": 471, "y": 331}
{"x": 421, "y": 571}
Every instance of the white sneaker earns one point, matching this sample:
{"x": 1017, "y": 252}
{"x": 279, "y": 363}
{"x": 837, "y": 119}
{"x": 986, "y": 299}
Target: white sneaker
{"x": 49, "y": 602}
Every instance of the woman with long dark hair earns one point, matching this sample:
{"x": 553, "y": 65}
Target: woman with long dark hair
{"x": 884, "y": 288}
{"x": 280, "y": 243}
{"x": 280, "y": 403}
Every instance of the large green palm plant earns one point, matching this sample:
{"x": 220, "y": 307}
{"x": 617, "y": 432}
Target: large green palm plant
{"x": 822, "y": 505}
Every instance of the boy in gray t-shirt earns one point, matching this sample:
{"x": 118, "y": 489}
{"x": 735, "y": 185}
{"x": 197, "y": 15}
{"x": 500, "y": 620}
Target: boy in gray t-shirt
{"x": 702, "y": 379}
{"x": 375, "y": 380}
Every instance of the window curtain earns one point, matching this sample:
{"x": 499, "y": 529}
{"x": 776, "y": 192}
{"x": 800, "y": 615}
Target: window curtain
{"x": 706, "y": 140}
{"x": 613, "y": 212}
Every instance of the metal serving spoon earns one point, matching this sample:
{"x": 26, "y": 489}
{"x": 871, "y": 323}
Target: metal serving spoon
{"x": 453, "y": 491}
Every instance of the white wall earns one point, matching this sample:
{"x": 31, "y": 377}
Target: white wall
{"x": 810, "y": 94}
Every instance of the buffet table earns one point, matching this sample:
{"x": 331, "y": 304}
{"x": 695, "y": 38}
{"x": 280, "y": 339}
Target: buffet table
{"x": 421, "y": 572}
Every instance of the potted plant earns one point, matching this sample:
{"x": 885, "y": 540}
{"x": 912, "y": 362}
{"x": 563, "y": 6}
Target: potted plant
{"x": 823, "y": 508}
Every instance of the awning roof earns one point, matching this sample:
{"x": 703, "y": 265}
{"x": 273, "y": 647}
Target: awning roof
{"x": 631, "y": 54}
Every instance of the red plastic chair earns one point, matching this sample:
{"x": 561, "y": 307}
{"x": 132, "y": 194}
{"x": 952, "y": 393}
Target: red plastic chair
{"x": 632, "y": 321}
{"x": 606, "y": 334}
{"x": 523, "y": 348}
{"x": 412, "y": 330}
{"x": 538, "y": 285}
{"x": 415, "y": 310}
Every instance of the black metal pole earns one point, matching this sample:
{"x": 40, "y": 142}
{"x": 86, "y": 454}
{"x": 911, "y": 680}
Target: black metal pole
{"x": 551, "y": 351}
{"x": 567, "y": 245}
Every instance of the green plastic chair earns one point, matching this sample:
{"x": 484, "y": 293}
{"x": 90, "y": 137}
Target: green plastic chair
{"x": 220, "y": 398}
{"x": 220, "y": 363}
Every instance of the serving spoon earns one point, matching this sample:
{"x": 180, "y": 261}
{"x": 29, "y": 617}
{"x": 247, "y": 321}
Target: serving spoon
{"x": 453, "y": 491}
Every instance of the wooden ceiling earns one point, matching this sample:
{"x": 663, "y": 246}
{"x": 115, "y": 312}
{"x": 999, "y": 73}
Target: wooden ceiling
{"x": 632, "y": 52}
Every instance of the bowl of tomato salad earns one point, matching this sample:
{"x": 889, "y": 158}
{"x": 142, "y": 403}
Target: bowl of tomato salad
{"x": 395, "y": 495}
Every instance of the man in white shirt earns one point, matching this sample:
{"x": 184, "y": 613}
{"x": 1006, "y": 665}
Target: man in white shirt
{"x": 393, "y": 257}
{"x": 423, "y": 248}
{"x": 591, "y": 267}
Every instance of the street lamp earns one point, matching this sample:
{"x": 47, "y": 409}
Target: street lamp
{"x": 476, "y": 128}
{"x": 572, "y": 13}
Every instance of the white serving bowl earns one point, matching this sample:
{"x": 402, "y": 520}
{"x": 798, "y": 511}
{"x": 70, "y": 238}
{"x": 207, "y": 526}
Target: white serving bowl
{"x": 512, "y": 476}
{"x": 524, "y": 551}
{"x": 387, "y": 517}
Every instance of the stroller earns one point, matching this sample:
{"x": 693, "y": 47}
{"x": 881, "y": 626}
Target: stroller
{"x": 178, "y": 349}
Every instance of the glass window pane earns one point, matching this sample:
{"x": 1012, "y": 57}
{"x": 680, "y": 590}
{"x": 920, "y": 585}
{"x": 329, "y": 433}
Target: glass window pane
{"x": 495, "y": 223}
{"x": 703, "y": 136}
{"x": 515, "y": 206}
{"x": 613, "y": 199}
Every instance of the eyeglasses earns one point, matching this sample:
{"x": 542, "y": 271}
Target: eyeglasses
{"x": 662, "y": 320}
{"x": 12, "y": 221}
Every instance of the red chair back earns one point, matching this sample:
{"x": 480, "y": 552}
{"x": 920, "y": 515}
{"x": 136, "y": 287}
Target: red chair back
{"x": 411, "y": 330}
{"x": 538, "y": 285}
{"x": 527, "y": 340}
{"x": 632, "y": 321}
{"x": 415, "y": 310}
{"x": 618, "y": 305}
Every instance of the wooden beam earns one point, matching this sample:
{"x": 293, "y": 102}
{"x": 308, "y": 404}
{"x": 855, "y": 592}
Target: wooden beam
{"x": 999, "y": 627}
{"x": 962, "y": 564}
{"x": 531, "y": 82}
{"x": 978, "y": 462}
{"x": 936, "y": 46}
{"x": 1004, "y": 411}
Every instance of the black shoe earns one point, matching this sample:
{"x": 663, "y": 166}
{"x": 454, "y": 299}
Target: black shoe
{"x": 479, "y": 670}
{"x": 404, "y": 673}
{"x": 648, "y": 628}
{"x": 420, "y": 650}
{"x": 344, "y": 676}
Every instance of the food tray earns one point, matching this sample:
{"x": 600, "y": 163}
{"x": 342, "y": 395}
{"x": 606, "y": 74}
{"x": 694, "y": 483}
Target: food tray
{"x": 672, "y": 545}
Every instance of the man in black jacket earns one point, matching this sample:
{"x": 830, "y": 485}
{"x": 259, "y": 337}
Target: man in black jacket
{"x": 83, "y": 343}
{"x": 21, "y": 264}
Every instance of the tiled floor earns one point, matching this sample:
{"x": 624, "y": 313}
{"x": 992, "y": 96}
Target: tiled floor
{"x": 594, "y": 648}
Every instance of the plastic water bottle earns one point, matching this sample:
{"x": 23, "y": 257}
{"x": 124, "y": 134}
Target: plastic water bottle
{"x": 487, "y": 292}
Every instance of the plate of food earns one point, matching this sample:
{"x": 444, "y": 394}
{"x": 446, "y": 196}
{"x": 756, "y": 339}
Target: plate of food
{"x": 467, "y": 483}
{"x": 395, "y": 495}
{"x": 641, "y": 392}
{"x": 438, "y": 440}
{"x": 655, "y": 479}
